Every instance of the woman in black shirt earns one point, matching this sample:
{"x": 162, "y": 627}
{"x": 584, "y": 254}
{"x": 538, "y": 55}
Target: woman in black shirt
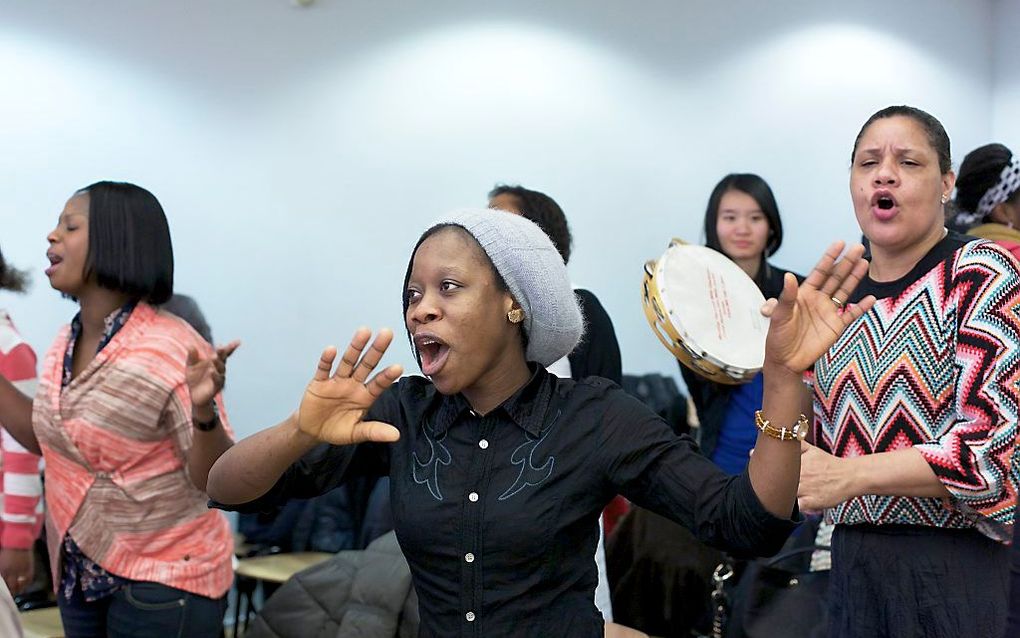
{"x": 498, "y": 469}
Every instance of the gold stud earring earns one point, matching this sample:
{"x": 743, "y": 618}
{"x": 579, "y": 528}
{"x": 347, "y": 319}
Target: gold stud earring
{"x": 515, "y": 316}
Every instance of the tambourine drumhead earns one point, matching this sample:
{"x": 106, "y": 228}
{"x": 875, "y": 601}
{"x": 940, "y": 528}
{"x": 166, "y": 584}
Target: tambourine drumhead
{"x": 707, "y": 311}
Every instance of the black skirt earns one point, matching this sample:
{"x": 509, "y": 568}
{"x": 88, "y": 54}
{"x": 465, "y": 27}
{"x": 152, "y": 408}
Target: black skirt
{"x": 907, "y": 581}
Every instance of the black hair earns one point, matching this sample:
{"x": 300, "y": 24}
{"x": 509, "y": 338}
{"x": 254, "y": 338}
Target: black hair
{"x": 11, "y": 278}
{"x": 500, "y": 282}
{"x": 129, "y": 242}
{"x": 542, "y": 210}
{"x": 759, "y": 190}
{"x": 979, "y": 172}
{"x": 936, "y": 133}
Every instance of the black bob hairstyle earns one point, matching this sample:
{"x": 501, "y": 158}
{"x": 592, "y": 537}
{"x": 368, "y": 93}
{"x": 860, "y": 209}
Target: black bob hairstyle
{"x": 129, "y": 242}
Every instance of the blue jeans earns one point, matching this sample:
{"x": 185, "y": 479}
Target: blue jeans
{"x": 142, "y": 610}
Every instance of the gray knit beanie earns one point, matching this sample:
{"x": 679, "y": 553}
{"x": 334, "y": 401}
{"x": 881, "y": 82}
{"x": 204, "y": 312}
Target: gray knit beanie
{"x": 535, "y": 274}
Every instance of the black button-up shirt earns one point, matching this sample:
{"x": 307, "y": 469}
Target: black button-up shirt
{"x": 498, "y": 514}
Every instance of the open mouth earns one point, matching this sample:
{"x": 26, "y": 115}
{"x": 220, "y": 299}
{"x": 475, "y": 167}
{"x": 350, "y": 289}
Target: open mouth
{"x": 54, "y": 262}
{"x": 884, "y": 205}
{"x": 433, "y": 353}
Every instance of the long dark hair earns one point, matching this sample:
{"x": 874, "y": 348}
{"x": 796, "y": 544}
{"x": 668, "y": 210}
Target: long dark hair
{"x": 759, "y": 190}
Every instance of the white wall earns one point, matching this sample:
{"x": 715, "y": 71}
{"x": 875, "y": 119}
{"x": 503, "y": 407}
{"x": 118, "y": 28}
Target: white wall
{"x": 1006, "y": 73}
{"x": 300, "y": 152}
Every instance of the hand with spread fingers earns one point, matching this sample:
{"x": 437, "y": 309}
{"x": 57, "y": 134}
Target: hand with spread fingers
{"x": 807, "y": 319}
{"x": 335, "y": 403}
{"x": 206, "y": 375}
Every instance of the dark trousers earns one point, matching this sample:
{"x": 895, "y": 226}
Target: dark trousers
{"x": 906, "y": 581}
{"x": 142, "y": 610}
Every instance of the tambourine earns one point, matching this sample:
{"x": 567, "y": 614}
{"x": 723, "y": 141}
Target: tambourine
{"x": 707, "y": 312}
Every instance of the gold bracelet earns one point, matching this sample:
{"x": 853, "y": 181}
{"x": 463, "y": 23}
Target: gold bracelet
{"x": 796, "y": 433}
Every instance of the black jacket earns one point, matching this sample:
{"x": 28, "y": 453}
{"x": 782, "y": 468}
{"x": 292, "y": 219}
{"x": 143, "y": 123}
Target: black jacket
{"x": 711, "y": 399}
{"x": 358, "y": 593}
{"x": 598, "y": 353}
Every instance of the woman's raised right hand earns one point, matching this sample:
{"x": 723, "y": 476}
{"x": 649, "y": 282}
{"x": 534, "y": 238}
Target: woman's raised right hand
{"x": 334, "y": 405}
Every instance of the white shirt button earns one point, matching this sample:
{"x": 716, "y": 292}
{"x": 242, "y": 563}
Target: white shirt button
{"x": 469, "y": 557}
{"x": 470, "y": 616}
{"x": 484, "y": 444}
{"x": 473, "y": 497}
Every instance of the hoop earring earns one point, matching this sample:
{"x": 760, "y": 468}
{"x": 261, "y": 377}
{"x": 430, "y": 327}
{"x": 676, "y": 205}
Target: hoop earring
{"x": 515, "y": 316}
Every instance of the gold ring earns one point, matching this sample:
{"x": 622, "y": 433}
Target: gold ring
{"x": 839, "y": 304}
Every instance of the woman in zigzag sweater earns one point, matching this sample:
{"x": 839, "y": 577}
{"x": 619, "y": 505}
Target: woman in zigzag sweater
{"x": 916, "y": 405}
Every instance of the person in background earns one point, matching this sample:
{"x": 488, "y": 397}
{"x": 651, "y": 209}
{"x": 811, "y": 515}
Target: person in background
{"x": 987, "y": 205}
{"x": 742, "y": 222}
{"x": 187, "y": 309}
{"x": 916, "y": 405}
{"x": 662, "y": 574}
{"x": 598, "y": 353}
{"x": 987, "y": 202}
{"x": 129, "y": 419}
{"x": 20, "y": 482}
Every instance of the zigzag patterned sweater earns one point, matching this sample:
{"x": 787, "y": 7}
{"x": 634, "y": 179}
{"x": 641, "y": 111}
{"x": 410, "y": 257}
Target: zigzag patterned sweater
{"x": 935, "y": 365}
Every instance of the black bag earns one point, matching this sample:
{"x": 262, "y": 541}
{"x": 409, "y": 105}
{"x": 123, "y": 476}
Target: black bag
{"x": 778, "y": 597}
{"x": 781, "y": 597}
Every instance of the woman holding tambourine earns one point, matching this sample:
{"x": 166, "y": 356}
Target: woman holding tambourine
{"x": 742, "y": 222}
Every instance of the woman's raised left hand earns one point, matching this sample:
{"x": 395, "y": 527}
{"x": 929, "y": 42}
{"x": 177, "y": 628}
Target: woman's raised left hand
{"x": 806, "y": 319}
{"x": 206, "y": 376}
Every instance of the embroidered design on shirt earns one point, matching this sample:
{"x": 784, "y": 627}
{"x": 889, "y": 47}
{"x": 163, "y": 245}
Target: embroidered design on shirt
{"x": 524, "y": 456}
{"x": 428, "y": 473}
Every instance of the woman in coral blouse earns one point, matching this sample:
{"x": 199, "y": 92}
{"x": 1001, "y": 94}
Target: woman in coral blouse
{"x": 133, "y": 548}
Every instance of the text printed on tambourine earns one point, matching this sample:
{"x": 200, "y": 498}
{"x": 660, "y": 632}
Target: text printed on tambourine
{"x": 720, "y": 299}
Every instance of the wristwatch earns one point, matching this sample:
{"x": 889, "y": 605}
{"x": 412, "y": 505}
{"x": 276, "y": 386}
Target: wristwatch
{"x": 210, "y": 425}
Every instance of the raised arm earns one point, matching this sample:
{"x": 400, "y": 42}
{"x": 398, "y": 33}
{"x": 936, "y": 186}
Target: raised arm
{"x": 806, "y": 321}
{"x": 749, "y": 514}
{"x": 210, "y": 439}
{"x": 332, "y": 411}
